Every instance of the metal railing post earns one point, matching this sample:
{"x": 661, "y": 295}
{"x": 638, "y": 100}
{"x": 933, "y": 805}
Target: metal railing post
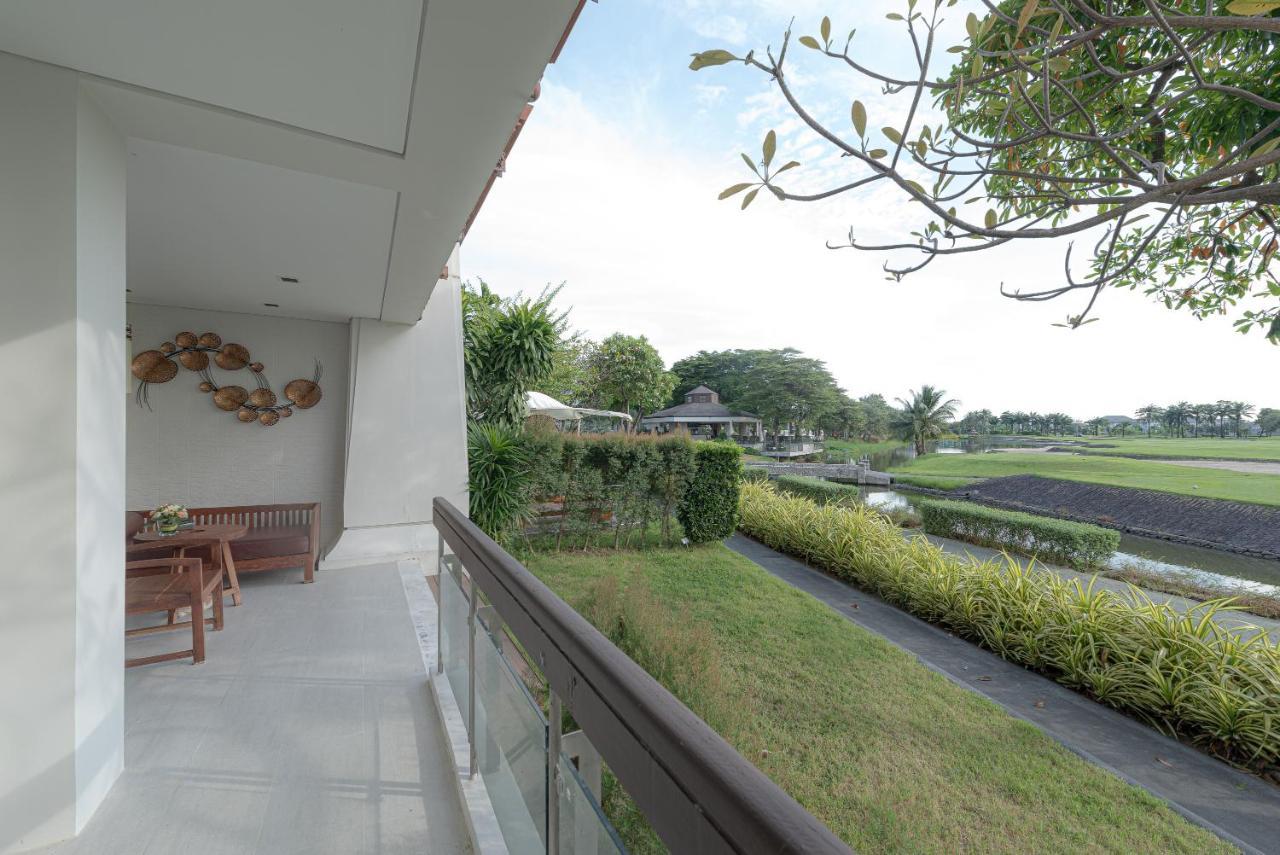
{"x": 471, "y": 673}
{"x": 440, "y": 571}
{"x": 554, "y": 716}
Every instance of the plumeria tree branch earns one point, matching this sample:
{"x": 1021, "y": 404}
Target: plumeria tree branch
{"x": 1151, "y": 125}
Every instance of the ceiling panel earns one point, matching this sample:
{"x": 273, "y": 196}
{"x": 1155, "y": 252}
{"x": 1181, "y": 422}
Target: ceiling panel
{"x": 216, "y": 232}
{"x": 337, "y": 67}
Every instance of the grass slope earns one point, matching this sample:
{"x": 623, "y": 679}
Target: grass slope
{"x": 1261, "y": 448}
{"x": 1116, "y": 471}
{"x": 857, "y": 448}
{"x": 893, "y": 757}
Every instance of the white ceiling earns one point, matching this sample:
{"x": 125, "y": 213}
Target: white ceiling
{"x": 343, "y": 142}
{"x": 337, "y": 67}
{"x": 201, "y": 225}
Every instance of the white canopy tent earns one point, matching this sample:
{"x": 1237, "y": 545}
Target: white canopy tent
{"x": 609, "y": 414}
{"x": 538, "y": 404}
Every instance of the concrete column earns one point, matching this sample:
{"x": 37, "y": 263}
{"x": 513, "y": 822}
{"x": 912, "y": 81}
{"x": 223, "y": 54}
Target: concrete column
{"x": 406, "y": 431}
{"x": 62, "y": 448}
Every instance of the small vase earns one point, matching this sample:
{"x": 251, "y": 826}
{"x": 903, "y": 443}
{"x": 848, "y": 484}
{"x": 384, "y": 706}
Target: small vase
{"x": 167, "y": 527}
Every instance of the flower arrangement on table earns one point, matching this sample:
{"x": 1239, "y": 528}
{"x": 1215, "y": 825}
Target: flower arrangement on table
{"x": 168, "y": 518}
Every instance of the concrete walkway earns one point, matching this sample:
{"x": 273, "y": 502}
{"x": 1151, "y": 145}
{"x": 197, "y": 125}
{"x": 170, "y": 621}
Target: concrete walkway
{"x": 308, "y": 729}
{"x": 1240, "y": 808}
{"x": 1233, "y": 619}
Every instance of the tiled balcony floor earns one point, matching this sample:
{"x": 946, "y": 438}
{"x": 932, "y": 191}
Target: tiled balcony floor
{"x": 309, "y": 729}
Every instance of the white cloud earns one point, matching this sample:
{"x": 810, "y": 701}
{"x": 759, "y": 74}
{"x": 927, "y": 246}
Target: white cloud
{"x": 721, "y": 28}
{"x": 633, "y": 226}
{"x": 709, "y": 95}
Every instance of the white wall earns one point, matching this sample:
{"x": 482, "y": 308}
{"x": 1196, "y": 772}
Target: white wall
{"x": 407, "y": 434}
{"x": 61, "y": 446}
{"x": 100, "y": 455}
{"x": 184, "y": 449}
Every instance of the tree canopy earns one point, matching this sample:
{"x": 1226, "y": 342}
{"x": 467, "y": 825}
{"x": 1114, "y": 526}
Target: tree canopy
{"x": 509, "y": 346}
{"x": 784, "y": 388}
{"x": 1151, "y": 129}
{"x": 626, "y": 373}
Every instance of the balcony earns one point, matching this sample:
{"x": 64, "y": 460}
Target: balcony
{"x": 383, "y": 710}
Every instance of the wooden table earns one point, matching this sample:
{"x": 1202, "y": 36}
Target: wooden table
{"x": 218, "y": 537}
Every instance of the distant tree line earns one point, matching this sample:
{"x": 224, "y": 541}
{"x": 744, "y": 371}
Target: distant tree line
{"x": 1182, "y": 419}
{"x": 787, "y": 390}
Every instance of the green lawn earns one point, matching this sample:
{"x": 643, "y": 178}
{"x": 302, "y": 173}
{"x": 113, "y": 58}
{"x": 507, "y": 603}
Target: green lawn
{"x": 892, "y": 756}
{"x": 1261, "y": 448}
{"x": 933, "y": 482}
{"x": 1117, "y": 471}
{"x": 857, "y": 448}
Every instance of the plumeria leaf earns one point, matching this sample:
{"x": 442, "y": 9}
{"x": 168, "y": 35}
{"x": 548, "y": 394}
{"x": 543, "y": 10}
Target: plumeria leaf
{"x": 859, "y": 112}
{"x": 734, "y": 190}
{"x": 709, "y": 58}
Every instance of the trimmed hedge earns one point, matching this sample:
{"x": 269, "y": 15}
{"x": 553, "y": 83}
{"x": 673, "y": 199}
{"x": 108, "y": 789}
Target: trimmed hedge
{"x": 1183, "y": 673}
{"x": 708, "y": 509}
{"x": 1076, "y": 544}
{"x": 603, "y": 488}
{"x": 817, "y": 489}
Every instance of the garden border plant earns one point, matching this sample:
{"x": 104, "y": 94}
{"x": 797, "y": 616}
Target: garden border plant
{"x": 1183, "y": 673}
{"x": 1078, "y": 545}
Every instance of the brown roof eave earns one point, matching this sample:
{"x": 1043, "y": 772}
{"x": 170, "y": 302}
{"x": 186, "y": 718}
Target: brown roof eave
{"x": 515, "y": 132}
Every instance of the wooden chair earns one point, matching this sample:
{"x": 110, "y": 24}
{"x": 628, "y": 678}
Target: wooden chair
{"x": 166, "y": 585}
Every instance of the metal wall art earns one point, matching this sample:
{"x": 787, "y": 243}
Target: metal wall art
{"x": 192, "y": 352}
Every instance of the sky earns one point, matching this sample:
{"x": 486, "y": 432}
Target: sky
{"x": 612, "y": 189}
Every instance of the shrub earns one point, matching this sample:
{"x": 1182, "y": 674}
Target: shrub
{"x": 1183, "y": 673}
{"x": 498, "y": 479}
{"x": 817, "y": 489}
{"x": 755, "y": 473}
{"x": 1078, "y": 544}
{"x": 609, "y": 485}
{"x": 708, "y": 510}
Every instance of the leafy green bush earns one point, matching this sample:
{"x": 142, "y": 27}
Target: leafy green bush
{"x": 817, "y": 489}
{"x": 1078, "y": 544}
{"x": 1183, "y": 673}
{"x": 708, "y": 510}
{"x": 498, "y": 479}
{"x": 754, "y": 473}
{"x": 609, "y": 485}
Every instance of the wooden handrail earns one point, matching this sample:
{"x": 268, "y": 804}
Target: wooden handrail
{"x": 699, "y": 794}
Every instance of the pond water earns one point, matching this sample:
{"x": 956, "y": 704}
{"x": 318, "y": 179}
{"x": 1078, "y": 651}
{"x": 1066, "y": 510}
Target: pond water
{"x": 1207, "y": 566}
{"x": 1193, "y": 563}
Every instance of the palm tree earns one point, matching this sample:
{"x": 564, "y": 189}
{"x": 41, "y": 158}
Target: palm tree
{"x": 1148, "y": 414}
{"x": 925, "y": 416}
{"x": 1239, "y": 411}
{"x": 1175, "y": 418}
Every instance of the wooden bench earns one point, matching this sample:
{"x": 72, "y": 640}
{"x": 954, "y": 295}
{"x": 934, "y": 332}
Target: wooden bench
{"x": 279, "y": 536}
{"x": 167, "y": 585}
